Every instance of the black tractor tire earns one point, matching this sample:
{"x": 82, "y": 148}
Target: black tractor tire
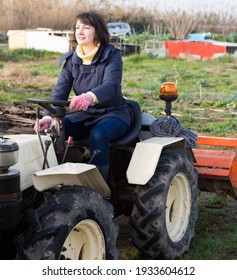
{"x": 73, "y": 223}
{"x": 165, "y": 209}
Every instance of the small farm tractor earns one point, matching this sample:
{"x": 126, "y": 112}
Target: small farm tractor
{"x": 54, "y": 204}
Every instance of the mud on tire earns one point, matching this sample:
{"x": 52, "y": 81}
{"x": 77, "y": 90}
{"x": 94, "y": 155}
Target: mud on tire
{"x": 73, "y": 223}
{"x": 165, "y": 209}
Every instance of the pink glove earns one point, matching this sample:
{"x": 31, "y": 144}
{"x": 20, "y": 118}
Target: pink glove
{"x": 82, "y": 102}
{"x": 44, "y": 123}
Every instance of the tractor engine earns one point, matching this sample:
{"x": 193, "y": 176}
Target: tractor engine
{"x": 10, "y": 192}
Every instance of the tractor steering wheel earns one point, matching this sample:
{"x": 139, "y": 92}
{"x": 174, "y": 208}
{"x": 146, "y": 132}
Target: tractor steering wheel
{"x": 55, "y": 107}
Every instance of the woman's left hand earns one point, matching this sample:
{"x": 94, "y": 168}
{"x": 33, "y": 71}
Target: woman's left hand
{"x": 81, "y": 102}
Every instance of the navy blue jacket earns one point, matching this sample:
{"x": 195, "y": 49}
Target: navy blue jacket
{"x": 103, "y": 77}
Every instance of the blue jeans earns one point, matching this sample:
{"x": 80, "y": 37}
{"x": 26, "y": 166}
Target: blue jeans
{"x": 99, "y": 135}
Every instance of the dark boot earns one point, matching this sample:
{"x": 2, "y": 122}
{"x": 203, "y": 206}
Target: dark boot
{"x": 104, "y": 171}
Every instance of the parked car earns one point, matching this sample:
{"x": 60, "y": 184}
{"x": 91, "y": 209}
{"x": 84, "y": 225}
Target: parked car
{"x": 119, "y": 29}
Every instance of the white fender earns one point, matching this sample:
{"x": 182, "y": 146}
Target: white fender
{"x": 145, "y": 158}
{"x": 69, "y": 173}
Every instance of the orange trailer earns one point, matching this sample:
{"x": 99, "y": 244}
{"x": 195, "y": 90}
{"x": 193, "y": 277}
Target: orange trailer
{"x": 216, "y": 163}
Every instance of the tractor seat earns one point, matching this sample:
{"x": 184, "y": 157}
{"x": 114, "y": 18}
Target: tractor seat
{"x": 133, "y": 132}
{"x": 135, "y": 126}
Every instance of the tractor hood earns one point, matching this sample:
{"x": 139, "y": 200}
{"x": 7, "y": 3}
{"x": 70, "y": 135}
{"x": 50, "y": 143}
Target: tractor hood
{"x": 31, "y": 158}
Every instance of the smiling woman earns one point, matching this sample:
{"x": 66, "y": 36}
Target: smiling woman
{"x": 93, "y": 70}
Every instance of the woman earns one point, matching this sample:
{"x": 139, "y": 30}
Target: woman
{"x": 94, "y": 70}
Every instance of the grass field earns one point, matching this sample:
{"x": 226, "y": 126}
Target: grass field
{"x": 207, "y": 100}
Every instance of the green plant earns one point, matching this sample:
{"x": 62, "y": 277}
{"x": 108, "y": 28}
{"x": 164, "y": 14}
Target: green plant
{"x": 3, "y": 38}
{"x": 25, "y": 54}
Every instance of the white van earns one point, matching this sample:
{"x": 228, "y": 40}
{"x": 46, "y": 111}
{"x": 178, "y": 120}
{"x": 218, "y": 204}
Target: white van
{"x": 119, "y": 29}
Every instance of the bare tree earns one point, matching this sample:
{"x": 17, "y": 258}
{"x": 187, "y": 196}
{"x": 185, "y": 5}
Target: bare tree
{"x": 58, "y": 14}
{"x": 220, "y": 23}
{"x": 22, "y": 14}
{"x": 181, "y": 23}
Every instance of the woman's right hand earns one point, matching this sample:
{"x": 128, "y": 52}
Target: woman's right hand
{"x": 43, "y": 124}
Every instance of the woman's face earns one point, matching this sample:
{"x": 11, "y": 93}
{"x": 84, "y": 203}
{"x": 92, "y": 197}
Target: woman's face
{"x": 84, "y": 33}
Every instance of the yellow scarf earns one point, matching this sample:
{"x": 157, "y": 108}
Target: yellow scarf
{"x": 87, "y": 58}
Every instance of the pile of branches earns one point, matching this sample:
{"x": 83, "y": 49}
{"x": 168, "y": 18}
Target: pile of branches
{"x": 16, "y": 119}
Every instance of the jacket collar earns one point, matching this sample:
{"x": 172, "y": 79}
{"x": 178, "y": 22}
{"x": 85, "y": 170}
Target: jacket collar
{"x": 103, "y": 53}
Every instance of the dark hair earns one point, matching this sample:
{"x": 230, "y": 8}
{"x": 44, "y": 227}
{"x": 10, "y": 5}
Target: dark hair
{"x": 96, "y": 20}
